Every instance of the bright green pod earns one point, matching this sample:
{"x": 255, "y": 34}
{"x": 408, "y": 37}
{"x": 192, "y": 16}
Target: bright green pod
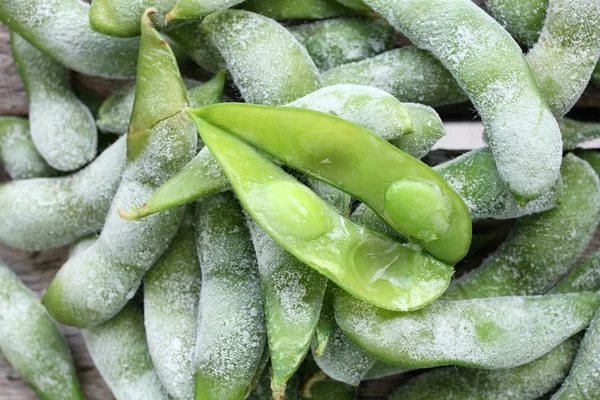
{"x": 368, "y": 264}
{"x": 45, "y": 213}
{"x": 32, "y": 343}
{"x": 488, "y": 333}
{"x": 340, "y": 41}
{"x": 120, "y": 352}
{"x": 63, "y": 130}
{"x": 564, "y": 57}
{"x": 523, "y": 19}
{"x": 61, "y": 29}
{"x": 428, "y": 129}
{"x": 18, "y": 154}
{"x": 297, "y": 9}
{"x": 491, "y": 69}
{"x": 115, "y": 112}
{"x": 171, "y": 299}
{"x": 197, "y": 45}
{"x": 268, "y": 65}
{"x": 410, "y": 74}
{"x": 410, "y": 196}
{"x": 231, "y": 330}
{"x": 196, "y": 9}
{"x": 121, "y": 18}
{"x": 94, "y": 285}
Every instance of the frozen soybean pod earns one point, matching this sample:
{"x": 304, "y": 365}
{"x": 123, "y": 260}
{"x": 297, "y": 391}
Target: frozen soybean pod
{"x": 197, "y": 45}
{"x": 231, "y": 328}
{"x": 297, "y": 9}
{"x": 32, "y": 343}
{"x": 576, "y": 132}
{"x": 195, "y": 9}
{"x": 268, "y": 65}
{"x": 120, "y": 352}
{"x": 94, "y": 285}
{"x": 326, "y": 326}
{"x": 333, "y": 150}
{"x": 311, "y": 229}
{"x": 121, "y": 18}
{"x": 44, "y": 213}
{"x": 61, "y": 29}
{"x": 171, "y": 298}
{"x": 18, "y": 154}
{"x": 410, "y": 74}
{"x": 523, "y": 19}
{"x": 492, "y": 70}
{"x": 62, "y": 128}
{"x": 567, "y": 51}
{"x": 335, "y": 42}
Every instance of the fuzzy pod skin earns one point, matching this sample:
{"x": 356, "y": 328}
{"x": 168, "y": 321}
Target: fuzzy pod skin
{"x": 121, "y": 18}
{"x": 410, "y": 74}
{"x": 62, "y": 128}
{"x": 197, "y": 45}
{"x": 94, "y": 285}
{"x": 493, "y": 72}
{"x": 171, "y": 302}
{"x": 576, "y": 132}
{"x": 297, "y": 9}
{"x": 268, "y": 65}
{"x": 523, "y": 19}
{"x": 231, "y": 328}
{"x": 32, "y": 343}
{"x": 326, "y": 327}
{"x": 61, "y": 29}
{"x": 120, "y": 352}
{"x": 18, "y": 154}
{"x": 196, "y": 9}
{"x": 44, "y": 213}
{"x": 340, "y": 41}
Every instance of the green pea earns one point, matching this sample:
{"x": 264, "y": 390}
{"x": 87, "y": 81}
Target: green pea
{"x": 120, "y": 352}
{"x": 295, "y": 9}
{"x": 348, "y": 156}
{"x": 369, "y": 265}
{"x": 122, "y": 18}
{"x": 185, "y": 9}
{"x": 410, "y": 74}
{"x": 18, "y": 154}
{"x": 197, "y": 45}
{"x": 32, "y": 343}
{"x": 524, "y": 19}
{"x": 61, "y": 29}
{"x": 266, "y": 62}
{"x": 62, "y": 128}
{"x": 492, "y": 70}
{"x": 335, "y": 42}
{"x": 171, "y": 298}
{"x": 96, "y": 284}
{"x": 231, "y": 330}
{"x": 44, "y": 213}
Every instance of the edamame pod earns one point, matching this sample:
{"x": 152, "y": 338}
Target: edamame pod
{"x": 62, "y": 128}
{"x": 185, "y": 9}
{"x": 326, "y": 326}
{"x": 171, "y": 298}
{"x": 18, "y": 154}
{"x": 409, "y": 74}
{"x": 317, "y": 235}
{"x": 410, "y": 196}
{"x": 61, "y": 29}
{"x": 120, "y": 352}
{"x": 231, "y": 330}
{"x": 489, "y": 333}
{"x": 44, "y": 213}
{"x": 297, "y": 9}
{"x": 32, "y": 344}
{"x": 266, "y": 62}
{"x": 428, "y": 130}
{"x": 524, "y": 19}
{"x": 491, "y": 68}
{"x": 197, "y": 45}
{"x": 121, "y": 18}
{"x": 96, "y": 284}
{"x": 335, "y": 42}
{"x": 576, "y": 133}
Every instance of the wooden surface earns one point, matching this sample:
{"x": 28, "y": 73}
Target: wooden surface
{"x": 36, "y": 269}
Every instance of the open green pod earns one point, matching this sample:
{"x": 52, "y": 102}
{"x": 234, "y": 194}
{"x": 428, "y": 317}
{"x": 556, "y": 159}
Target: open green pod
{"x": 367, "y": 264}
{"x": 407, "y": 194}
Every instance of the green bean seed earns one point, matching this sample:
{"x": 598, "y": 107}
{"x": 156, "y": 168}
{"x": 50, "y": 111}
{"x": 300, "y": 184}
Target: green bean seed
{"x": 171, "y": 298}
{"x": 44, "y": 213}
{"x": 121, "y": 18}
{"x": 96, "y": 284}
{"x": 375, "y": 268}
{"x": 335, "y": 42}
{"x": 32, "y": 344}
{"x": 185, "y": 9}
{"x": 231, "y": 330}
{"x": 61, "y": 29}
{"x": 297, "y": 9}
{"x": 406, "y": 193}
{"x": 18, "y": 154}
{"x": 62, "y": 128}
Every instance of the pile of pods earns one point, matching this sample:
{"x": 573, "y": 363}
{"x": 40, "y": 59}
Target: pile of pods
{"x": 293, "y": 245}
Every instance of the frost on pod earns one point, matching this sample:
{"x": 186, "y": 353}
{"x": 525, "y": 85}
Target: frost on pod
{"x": 121, "y": 18}
{"x": 62, "y": 128}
